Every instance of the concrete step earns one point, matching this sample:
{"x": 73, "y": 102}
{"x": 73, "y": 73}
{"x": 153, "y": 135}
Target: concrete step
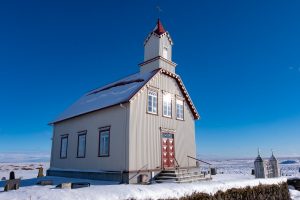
{"x": 174, "y": 171}
{"x": 179, "y": 176}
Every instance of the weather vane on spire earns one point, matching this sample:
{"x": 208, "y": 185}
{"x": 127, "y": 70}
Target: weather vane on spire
{"x": 159, "y": 10}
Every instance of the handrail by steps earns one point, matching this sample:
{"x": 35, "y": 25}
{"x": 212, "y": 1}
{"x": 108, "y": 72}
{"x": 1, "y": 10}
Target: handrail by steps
{"x": 209, "y": 165}
{"x": 138, "y": 171}
{"x": 176, "y": 163}
{"x": 198, "y": 160}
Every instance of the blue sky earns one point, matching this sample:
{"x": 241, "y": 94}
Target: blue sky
{"x": 238, "y": 59}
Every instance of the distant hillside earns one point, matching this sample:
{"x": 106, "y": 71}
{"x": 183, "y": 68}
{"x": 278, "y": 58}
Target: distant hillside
{"x": 16, "y": 157}
{"x": 286, "y": 162}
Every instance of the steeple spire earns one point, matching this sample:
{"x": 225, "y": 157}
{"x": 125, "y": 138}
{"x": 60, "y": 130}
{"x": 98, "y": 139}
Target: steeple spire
{"x": 159, "y": 29}
{"x": 272, "y": 156}
{"x": 158, "y": 50}
{"x": 272, "y": 152}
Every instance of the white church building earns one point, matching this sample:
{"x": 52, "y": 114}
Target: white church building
{"x": 141, "y": 124}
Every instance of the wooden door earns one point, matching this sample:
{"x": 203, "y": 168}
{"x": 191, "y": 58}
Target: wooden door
{"x": 168, "y": 150}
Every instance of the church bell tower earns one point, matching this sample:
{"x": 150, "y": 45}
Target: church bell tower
{"x": 158, "y": 50}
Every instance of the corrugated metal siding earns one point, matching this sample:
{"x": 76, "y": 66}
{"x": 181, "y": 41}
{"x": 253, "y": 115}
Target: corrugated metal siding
{"x": 145, "y": 133}
{"x": 116, "y": 117}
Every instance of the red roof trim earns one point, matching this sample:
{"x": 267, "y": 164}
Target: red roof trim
{"x": 176, "y": 77}
{"x": 184, "y": 92}
{"x": 182, "y": 88}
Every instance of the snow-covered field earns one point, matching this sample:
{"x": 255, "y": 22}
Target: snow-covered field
{"x": 244, "y": 166}
{"x": 232, "y": 173}
{"x": 241, "y": 168}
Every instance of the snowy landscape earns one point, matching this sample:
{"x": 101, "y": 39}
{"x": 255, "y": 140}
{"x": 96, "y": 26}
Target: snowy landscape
{"x": 149, "y": 100}
{"x": 232, "y": 173}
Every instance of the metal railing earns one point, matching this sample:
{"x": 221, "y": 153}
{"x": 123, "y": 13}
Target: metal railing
{"x": 176, "y": 163}
{"x": 138, "y": 171}
{"x": 199, "y": 160}
{"x": 209, "y": 165}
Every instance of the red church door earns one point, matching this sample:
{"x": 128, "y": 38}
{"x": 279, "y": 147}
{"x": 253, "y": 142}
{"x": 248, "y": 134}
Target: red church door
{"x": 167, "y": 150}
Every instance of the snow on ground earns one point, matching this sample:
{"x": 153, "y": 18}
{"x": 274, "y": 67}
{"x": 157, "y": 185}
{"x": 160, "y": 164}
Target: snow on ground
{"x": 295, "y": 195}
{"x": 108, "y": 190}
{"x": 233, "y": 173}
{"x": 244, "y": 166}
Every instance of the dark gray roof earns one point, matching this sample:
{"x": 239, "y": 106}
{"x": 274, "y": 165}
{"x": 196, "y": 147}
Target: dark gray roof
{"x": 258, "y": 159}
{"x": 272, "y": 158}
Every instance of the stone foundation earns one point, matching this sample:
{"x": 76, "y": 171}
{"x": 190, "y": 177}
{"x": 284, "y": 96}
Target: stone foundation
{"x": 104, "y": 176}
{"x": 116, "y": 176}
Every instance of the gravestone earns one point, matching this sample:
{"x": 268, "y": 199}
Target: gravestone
{"x": 41, "y": 172}
{"x": 12, "y": 175}
{"x": 13, "y": 184}
{"x": 213, "y": 171}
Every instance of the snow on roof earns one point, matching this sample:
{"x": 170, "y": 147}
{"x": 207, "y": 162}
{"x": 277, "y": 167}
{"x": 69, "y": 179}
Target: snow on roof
{"x": 112, "y": 94}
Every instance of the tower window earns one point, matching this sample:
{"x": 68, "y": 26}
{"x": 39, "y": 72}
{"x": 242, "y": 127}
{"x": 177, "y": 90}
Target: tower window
{"x": 167, "y": 105}
{"x": 165, "y": 52}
